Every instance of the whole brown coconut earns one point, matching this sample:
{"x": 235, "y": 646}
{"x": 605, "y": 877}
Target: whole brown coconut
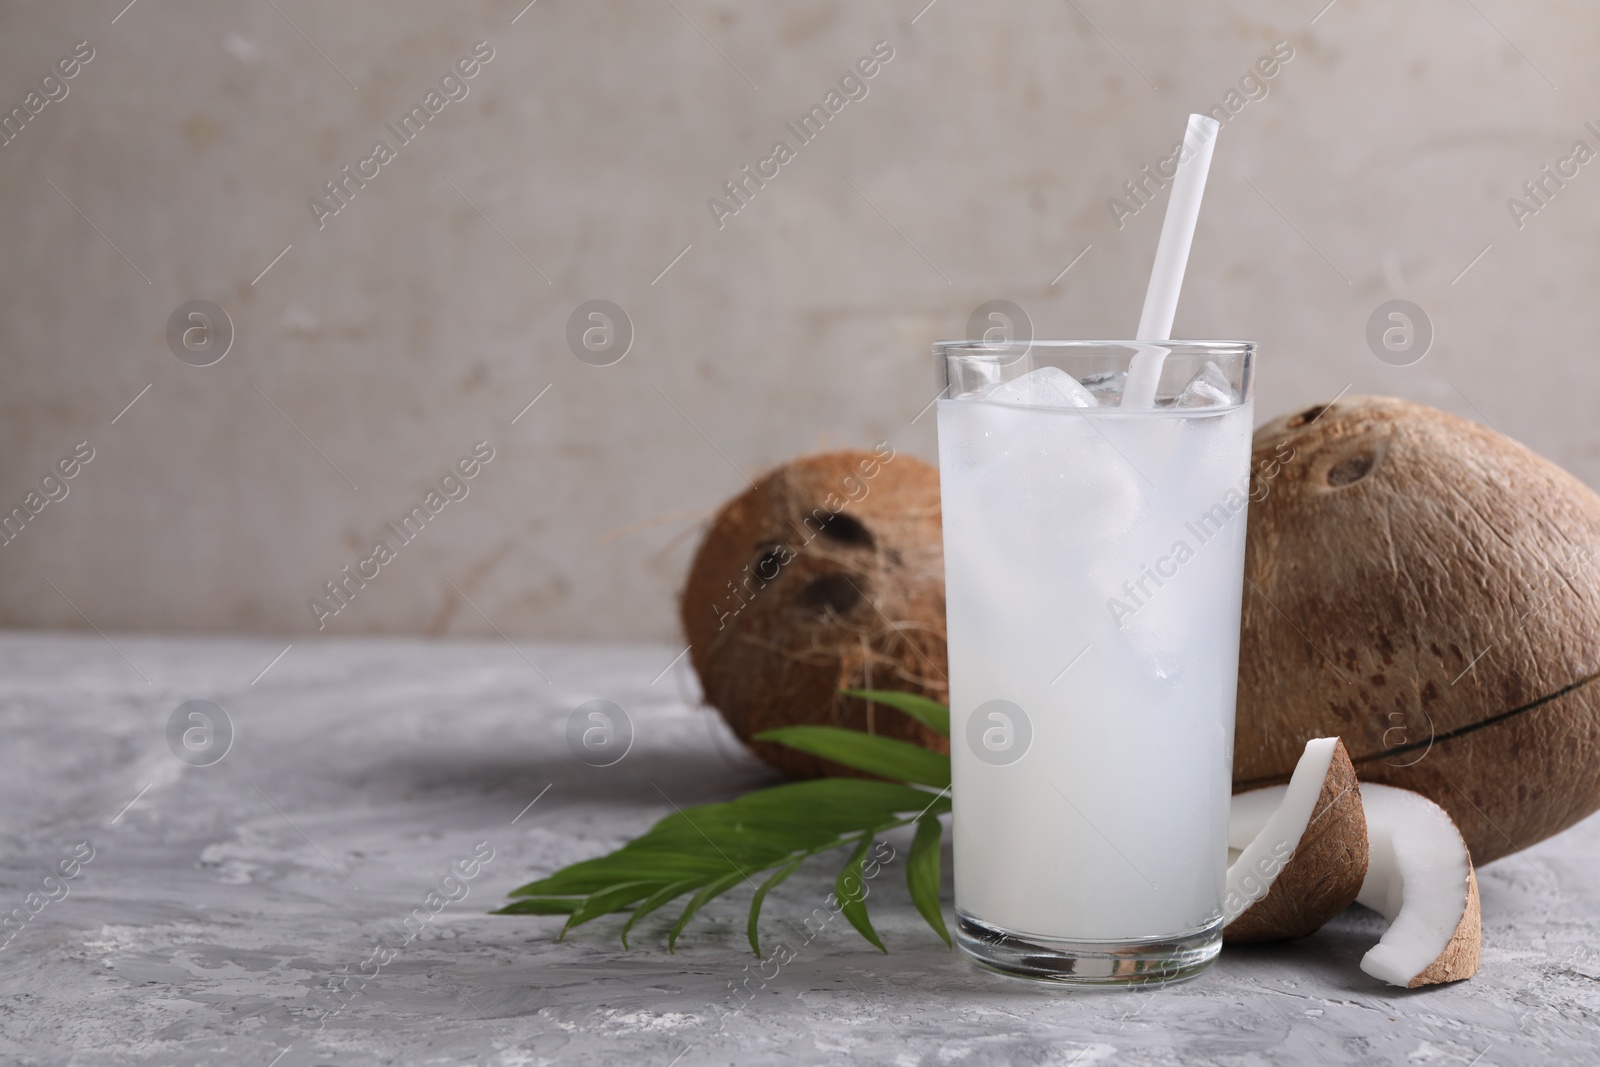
{"x": 1426, "y": 589}
{"x": 828, "y": 574}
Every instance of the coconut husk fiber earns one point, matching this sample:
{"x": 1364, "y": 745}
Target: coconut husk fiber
{"x": 827, "y": 574}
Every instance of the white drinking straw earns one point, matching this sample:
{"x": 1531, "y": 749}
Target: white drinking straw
{"x": 1172, "y": 256}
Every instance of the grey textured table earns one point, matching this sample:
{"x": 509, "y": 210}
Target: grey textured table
{"x": 219, "y": 905}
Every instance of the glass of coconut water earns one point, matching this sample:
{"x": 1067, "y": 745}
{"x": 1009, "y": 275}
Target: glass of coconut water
{"x": 1094, "y": 565}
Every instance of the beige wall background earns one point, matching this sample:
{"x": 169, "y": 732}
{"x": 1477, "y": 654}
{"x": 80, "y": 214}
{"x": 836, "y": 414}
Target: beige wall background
{"x": 433, "y": 308}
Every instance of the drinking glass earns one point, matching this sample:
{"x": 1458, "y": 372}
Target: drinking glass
{"x": 1094, "y": 565}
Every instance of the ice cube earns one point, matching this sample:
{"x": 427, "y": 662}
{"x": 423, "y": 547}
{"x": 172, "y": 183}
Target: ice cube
{"x": 1047, "y": 387}
{"x": 1106, "y": 386}
{"x": 1208, "y": 389}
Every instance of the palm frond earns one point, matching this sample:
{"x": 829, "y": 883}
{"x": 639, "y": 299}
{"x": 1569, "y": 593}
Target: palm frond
{"x": 705, "y": 851}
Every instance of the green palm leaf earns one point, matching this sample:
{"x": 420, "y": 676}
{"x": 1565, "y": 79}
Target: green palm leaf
{"x": 761, "y": 895}
{"x": 851, "y": 890}
{"x": 922, "y": 873}
{"x": 884, "y": 756}
{"x": 930, "y": 713}
{"x": 710, "y": 849}
{"x": 542, "y": 906}
{"x": 661, "y": 897}
{"x": 617, "y": 898}
{"x": 715, "y": 889}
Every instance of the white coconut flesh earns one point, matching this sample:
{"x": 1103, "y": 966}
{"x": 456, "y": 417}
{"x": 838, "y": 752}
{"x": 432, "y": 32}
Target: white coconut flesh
{"x": 1417, "y": 878}
{"x": 1266, "y": 825}
{"x": 1248, "y": 815}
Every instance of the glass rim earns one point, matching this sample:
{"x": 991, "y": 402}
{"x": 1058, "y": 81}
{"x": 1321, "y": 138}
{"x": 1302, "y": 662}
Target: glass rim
{"x": 968, "y": 348}
{"x": 971, "y": 368}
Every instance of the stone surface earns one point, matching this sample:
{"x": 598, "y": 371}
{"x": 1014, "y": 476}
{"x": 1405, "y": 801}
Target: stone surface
{"x": 1377, "y": 164}
{"x": 218, "y": 905}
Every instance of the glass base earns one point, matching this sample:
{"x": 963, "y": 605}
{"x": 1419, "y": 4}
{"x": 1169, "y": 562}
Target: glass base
{"x": 1144, "y": 961}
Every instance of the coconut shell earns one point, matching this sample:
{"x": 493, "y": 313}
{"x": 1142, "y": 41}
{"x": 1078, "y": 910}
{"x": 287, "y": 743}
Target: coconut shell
{"x": 1460, "y": 956}
{"x": 1323, "y": 875}
{"x": 827, "y": 574}
{"x": 1426, "y": 589}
